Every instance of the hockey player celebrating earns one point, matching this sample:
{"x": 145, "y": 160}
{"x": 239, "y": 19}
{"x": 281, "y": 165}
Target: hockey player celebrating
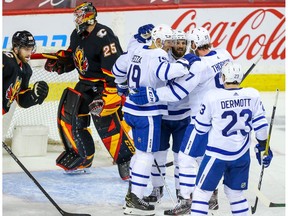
{"x": 203, "y": 76}
{"x": 17, "y": 73}
{"x": 229, "y": 115}
{"x": 174, "y": 124}
{"x": 146, "y": 65}
{"x": 93, "y": 50}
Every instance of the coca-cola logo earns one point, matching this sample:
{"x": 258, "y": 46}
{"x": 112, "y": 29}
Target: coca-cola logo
{"x": 248, "y": 37}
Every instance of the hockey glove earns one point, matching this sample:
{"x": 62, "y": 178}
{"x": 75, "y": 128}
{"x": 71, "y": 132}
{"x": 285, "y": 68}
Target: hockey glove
{"x": 122, "y": 89}
{"x": 143, "y": 95}
{"x": 60, "y": 62}
{"x": 144, "y": 33}
{"x": 266, "y": 160}
{"x": 188, "y": 59}
{"x": 39, "y": 92}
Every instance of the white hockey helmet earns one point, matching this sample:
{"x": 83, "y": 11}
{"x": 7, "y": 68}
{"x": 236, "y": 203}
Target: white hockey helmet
{"x": 200, "y": 36}
{"x": 232, "y": 72}
{"x": 179, "y": 35}
{"x": 163, "y": 31}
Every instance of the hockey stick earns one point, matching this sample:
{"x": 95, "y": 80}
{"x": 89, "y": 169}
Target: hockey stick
{"x": 38, "y": 184}
{"x": 253, "y": 208}
{"x": 266, "y": 201}
{"x": 169, "y": 164}
{"x": 251, "y": 68}
{"x": 164, "y": 182}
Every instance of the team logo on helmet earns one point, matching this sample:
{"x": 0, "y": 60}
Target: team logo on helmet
{"x": 80, "y": 60}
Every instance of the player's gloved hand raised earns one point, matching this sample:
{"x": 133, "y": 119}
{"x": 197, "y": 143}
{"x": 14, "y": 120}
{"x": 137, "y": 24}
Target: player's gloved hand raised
{"x": 144, "y": 33}
{"x": 188, "y": 59}
{"x": 40, "y": 91}
{"x": 122, "y": 89}
{"x": 143, "y": 95}
{"x": 266, "y": 160}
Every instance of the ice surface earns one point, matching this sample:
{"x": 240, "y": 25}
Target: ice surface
{"x": 102, "y": 192}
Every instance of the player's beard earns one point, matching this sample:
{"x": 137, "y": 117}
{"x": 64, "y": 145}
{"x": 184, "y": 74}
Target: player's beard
{"x": 24, "y": 58}
{"x": 178, "y": 52}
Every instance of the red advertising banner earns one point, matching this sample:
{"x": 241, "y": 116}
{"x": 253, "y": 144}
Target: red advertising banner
{"x": 13, "y": 5}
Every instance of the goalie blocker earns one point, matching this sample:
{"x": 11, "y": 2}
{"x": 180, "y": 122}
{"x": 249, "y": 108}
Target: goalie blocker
{"x": 76, "y": 137}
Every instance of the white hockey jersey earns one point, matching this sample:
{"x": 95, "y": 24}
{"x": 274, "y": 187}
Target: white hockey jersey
{"x": 142, "y": 67}
{"x": 203, "y": 76}
{"x": 229, "y": 115}
{"x": 177, "y": 110}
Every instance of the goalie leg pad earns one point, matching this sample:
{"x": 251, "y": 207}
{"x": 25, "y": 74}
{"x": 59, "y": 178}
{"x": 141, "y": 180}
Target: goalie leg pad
{"x": 73, "y": 129}
{"x": 69, "y": 160}
{"x": 115, "y": 137}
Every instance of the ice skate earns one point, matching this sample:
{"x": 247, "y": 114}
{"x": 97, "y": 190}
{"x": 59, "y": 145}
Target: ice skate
{"x": 137, "y": 206}
{"x": 183, "y": 207}
{"x": 77, "y": 171}
{"x": 213, "y": 202}
{"x": 155, "y": 196}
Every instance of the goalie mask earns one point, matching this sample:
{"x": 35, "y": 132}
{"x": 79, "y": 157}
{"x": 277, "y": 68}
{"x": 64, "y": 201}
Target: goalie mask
{"x": 232, "y": 72}
{"x": 23, "y": 39}
{"x": 84, "y": 15}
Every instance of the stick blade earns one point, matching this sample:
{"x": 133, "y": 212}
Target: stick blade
{"x": 277, "y": 204}
{"x": 253, "y": 209}
{"x": 74, "y": 214}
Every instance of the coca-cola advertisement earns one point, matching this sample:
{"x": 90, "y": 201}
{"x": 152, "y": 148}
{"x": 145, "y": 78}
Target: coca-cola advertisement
{"x": 247, "y": 32}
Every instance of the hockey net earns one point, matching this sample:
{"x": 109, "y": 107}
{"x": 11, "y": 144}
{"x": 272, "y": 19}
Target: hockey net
{"x": 45, "y": 114}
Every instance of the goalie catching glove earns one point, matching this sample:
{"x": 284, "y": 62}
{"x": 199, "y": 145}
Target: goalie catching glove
{"x": 143, "y": 95}
{"x": 39, "y": 92}
{"x": 106, "y": 103}
{"x": 60, "y": 62}
{"x": 266, "y": 159}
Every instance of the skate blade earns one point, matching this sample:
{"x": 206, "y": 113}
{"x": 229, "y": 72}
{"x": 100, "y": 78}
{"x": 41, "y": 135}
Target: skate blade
{"x": 77, "y": 172}
{"x": 133, "y": 211}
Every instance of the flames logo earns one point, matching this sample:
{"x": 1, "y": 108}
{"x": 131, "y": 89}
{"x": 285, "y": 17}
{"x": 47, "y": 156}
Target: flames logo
{"x": 80, "y": 60}
{"x": 12, "y": 91}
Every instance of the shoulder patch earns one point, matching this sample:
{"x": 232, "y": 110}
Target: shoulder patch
{"x": 102, "y": 33}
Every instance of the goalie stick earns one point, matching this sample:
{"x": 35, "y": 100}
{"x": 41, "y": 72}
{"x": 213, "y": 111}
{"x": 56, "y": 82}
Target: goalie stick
{"x": 62, "y": 212}
{"x": 253, "y": 208}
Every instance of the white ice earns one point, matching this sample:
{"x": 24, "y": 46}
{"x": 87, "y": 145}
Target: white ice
{"x": 102, "y": 192}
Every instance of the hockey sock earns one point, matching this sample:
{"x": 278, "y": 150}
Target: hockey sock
{"x": 176, "y": 171}
{"x": 200, "y": 202}
{"x": 140, "y": 172}
{"x": 238, "y": 203}
{"x": 188, "y": 169}
{"x": 161, "y": 158}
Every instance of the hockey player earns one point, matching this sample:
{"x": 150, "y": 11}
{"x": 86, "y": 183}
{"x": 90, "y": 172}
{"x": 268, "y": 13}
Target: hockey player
{"x": 17, "y": 73}
{"x": 93, "y": 50}
{"x": 146, "y": 66}
{"x": 174, "y": 124}
{"x": 204, "y": 75}
{"x": 229, "y": 115}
